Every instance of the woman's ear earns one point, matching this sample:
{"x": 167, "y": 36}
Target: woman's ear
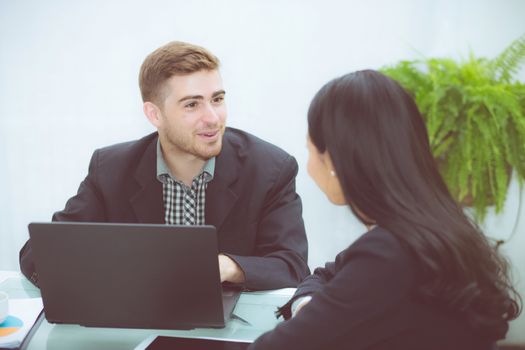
{"x": 335, "y": 190}
{"x": 327, "y": 161}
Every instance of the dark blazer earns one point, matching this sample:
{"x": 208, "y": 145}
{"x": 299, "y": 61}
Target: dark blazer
{"x": 366, "y": 300}
{"x": 251, "y": 201}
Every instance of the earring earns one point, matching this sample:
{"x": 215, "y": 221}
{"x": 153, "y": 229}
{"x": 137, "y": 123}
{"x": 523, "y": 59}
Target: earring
{"x": 332, "y": 173}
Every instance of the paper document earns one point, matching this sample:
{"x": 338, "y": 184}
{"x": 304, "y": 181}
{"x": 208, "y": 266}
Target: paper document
{"x": 22, "y": 315}
{"x": 25, "y": 305}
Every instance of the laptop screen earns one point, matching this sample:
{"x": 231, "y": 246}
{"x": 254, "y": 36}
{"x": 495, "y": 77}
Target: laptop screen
{"x": 128, "y": 275}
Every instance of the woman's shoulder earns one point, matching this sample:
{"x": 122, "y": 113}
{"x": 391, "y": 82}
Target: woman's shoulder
{"x": 377, "y": 236}
{"x": 378, "y": 245}
{"x": 378, "y": 240}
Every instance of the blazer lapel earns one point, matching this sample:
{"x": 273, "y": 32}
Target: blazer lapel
{"x": 220, "y": 195}
{"x": 147, "y": 202}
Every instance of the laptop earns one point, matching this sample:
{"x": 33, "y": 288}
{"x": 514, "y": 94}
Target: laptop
{"x": 131, "y": 275}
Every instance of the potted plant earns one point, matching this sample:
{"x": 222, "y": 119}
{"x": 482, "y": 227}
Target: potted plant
{"x": 475, "y": 115}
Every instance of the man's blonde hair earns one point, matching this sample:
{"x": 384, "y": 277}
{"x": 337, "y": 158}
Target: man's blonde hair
{"x": 174, "y": 58}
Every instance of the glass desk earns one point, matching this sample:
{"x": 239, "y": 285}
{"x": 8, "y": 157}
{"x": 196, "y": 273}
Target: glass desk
{"x": 256, "y": 308}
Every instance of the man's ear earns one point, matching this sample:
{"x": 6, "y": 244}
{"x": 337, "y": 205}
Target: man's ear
{"x": 153, "y": 113}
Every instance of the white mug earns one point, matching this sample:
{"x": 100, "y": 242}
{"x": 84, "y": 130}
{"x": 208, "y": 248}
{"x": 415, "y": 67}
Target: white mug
{"x": 4, "y": 306}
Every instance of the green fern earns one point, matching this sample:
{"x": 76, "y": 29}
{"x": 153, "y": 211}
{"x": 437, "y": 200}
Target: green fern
{"x": 507, "y": 64}
{"x": 474, "y": 110}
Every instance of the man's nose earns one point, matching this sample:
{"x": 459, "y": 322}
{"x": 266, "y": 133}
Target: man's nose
{"x": 210, "y": 115}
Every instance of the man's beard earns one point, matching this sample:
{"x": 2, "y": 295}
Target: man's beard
{"x": 189, "y": 144}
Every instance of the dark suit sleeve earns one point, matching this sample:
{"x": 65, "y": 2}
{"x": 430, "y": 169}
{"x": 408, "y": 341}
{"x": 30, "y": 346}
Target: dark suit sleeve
{"x": 369, "y": 283}
{"x": 309, "y": 286}
{"x": 315, "y": 282}
{"x": 280, "y": 256}
{"x": 86, "y": 205}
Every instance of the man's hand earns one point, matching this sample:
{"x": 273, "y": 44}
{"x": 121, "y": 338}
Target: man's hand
{"x": 229, "y": 270}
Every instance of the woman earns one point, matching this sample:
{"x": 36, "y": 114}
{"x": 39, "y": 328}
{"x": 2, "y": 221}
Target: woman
{"x": 423, "y": 277}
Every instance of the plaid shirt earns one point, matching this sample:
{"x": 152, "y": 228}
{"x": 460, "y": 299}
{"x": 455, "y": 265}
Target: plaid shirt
{"x": 184, "y": 205}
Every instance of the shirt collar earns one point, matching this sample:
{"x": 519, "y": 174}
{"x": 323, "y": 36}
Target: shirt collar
{"x": 163, "y": 171}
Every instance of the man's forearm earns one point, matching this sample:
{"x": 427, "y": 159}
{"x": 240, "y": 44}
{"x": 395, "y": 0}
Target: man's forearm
{"x": 272, "y": 272}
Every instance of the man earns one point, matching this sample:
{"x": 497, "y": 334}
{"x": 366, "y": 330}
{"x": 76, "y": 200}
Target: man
{"x": 195, "y": 171}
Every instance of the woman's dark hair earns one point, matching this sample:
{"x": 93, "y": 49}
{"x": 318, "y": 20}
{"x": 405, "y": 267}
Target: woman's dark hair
{"x": 378, "y": 143}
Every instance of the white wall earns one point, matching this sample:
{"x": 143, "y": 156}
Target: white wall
{"x": 68, "y": 84}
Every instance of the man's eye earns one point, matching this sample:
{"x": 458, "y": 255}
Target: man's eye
{"x": 218, "y": 99}
{"x": 191, "y": 105}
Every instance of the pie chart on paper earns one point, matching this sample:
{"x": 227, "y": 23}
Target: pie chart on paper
{"x": 10, "y": 325}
